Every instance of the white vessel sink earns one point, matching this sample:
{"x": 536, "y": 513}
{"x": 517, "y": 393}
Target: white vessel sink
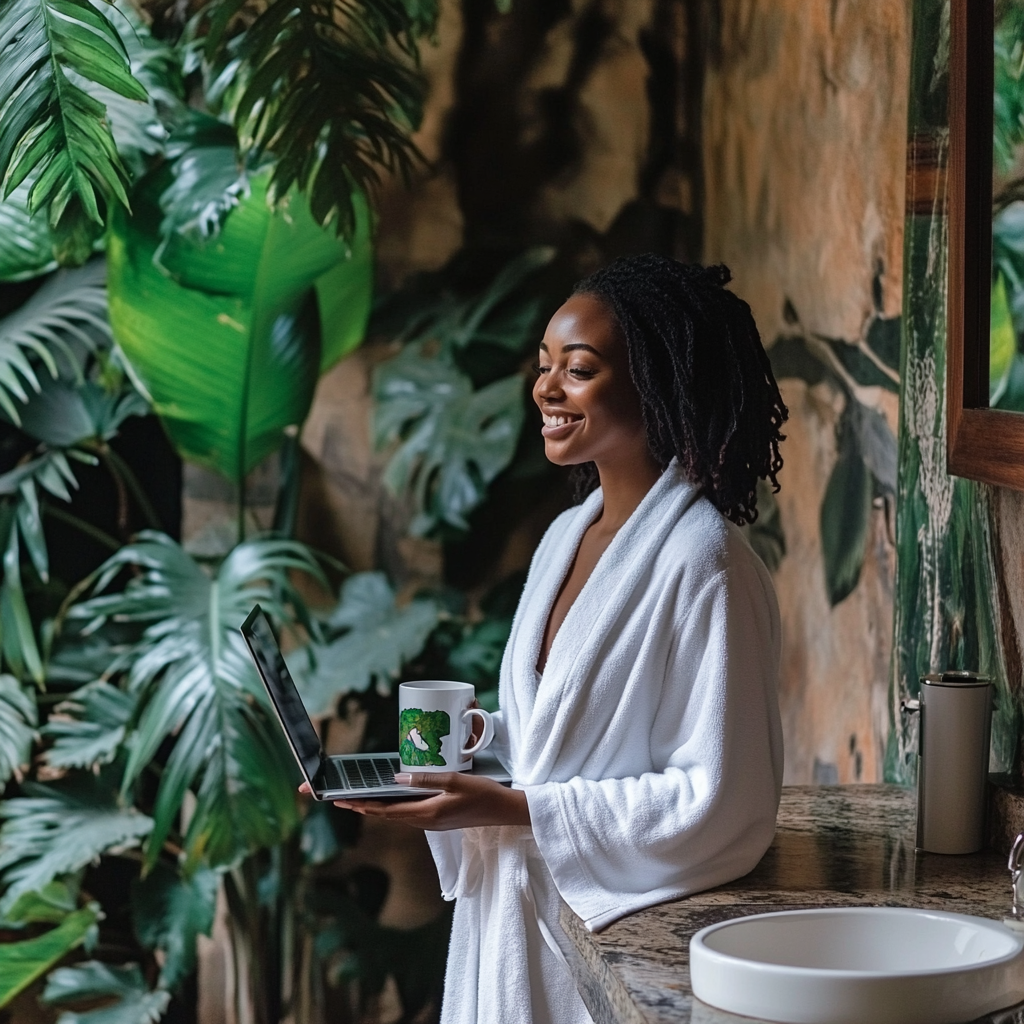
{"x": 859, "y": 964}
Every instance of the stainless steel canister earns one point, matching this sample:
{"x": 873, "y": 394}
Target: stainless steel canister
{"x": 952, "y": 761}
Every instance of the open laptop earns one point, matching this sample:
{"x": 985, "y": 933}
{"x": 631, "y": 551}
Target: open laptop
{"x": 346, "y": 777}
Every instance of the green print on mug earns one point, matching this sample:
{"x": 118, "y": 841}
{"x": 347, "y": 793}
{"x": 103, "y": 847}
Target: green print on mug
{"x": 420, "y": 734}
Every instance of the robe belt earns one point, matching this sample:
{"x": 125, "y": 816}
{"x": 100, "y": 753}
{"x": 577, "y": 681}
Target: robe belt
{"x": 511, "y": 846}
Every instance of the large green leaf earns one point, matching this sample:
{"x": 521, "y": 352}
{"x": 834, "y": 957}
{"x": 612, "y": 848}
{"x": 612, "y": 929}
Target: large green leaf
{"x": 21, "y": 963}
{"x": 376, "y": 639}
{"x": 92, "y": 980}
{"x": 52, "y": 831}
{"x": 845, "y": 518}
{"x": 227, "y": 341}
{"x": 89, "y": 727}
{"x": 194, "y": 681}
{"x": 17, "y": 727}
{"x": 50, "y": 128}
{"x": 452, "y": 441}
{"x": 49, "y": 905}
{"x": 170, "y": 912}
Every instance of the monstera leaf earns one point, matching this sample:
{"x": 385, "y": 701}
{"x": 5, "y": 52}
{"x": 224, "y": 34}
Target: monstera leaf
{"x": 225, "y": 333}
{"x": 54, "y": 830}
{"x": 194, "y": 682}
{"x": 92, "y": 980}
{"x": 452, "y": 441}
{"x": 374, "y": 638}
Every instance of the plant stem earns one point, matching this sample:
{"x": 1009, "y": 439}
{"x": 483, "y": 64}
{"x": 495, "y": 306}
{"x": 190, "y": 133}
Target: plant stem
{"x": 98, "y": 535}
{"x": 132, "y": 481}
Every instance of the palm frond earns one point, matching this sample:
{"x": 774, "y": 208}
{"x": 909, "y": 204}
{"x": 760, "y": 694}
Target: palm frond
{"x": 322, "y": 88}
{"x": 52, "y": 831}
{"x": 69, "y": 308}
{"x": 194, "y": 680}
{"x": 26, "y": 249}
{"x": 17, "y": 728}
{"x": 89, "y": 727}
{"x": 50, "y": 128}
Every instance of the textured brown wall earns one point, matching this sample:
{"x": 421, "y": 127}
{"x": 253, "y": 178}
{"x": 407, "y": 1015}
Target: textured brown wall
{"x": 600, "y": 126}
{"x": 804, "y": 148}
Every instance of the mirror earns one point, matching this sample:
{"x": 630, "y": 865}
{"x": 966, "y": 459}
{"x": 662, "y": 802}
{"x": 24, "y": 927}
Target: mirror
{"x": 985, "y": 355}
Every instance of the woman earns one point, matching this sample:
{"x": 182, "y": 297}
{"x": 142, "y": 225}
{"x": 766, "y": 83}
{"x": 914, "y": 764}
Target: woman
{"x": 639, "y": 715}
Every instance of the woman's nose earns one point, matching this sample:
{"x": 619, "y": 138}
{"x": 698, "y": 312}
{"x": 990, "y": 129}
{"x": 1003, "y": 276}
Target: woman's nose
{"x": 548, "y": 386}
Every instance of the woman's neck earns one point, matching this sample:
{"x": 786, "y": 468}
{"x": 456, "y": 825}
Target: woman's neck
{"x": 624, "y": 486}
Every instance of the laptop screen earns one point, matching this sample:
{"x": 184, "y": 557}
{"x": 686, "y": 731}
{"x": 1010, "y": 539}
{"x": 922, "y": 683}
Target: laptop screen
{"x": 263, "y": 647}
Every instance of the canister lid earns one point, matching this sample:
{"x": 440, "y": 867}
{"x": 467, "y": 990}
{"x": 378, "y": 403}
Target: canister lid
{"x": 955, "y": 678}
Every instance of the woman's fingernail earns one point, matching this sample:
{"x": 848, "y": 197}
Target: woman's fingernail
{"x": 403, "y": 778}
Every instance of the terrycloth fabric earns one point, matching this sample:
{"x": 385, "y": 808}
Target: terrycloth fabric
{"x": 650, "y": 750}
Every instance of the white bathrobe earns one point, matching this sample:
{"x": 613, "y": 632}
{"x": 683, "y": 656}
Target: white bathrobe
{"x": 650, "y": 750}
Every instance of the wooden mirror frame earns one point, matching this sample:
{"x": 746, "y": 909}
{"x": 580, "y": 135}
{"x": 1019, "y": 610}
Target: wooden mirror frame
{"x": 981, "y": 443}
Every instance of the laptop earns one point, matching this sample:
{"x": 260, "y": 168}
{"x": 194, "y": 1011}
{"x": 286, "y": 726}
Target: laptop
{"x": 340, "y": 777}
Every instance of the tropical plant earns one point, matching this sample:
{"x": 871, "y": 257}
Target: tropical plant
{"x": 220, "y": 301}
{"x": 450, "y": 404}
{"x": 865, "y": 467}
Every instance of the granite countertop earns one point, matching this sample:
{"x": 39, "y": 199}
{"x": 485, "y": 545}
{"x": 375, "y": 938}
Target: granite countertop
{"x": 834, "y": 846}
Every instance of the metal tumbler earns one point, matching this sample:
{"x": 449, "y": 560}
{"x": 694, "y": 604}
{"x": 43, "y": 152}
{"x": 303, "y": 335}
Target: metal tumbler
{"x": 952, "y": 760}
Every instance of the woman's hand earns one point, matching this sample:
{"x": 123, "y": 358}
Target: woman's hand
{"x": 466, "y": 802}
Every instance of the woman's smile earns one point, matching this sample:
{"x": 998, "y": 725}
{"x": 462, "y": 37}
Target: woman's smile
{"x": 559, "y": 424}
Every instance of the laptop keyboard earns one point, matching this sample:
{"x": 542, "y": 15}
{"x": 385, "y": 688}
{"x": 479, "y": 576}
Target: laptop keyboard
{"x": 361, "y": 772}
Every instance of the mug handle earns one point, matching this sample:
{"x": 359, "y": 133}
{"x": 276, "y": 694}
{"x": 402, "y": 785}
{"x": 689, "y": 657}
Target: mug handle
{"x": 488, "y": 733}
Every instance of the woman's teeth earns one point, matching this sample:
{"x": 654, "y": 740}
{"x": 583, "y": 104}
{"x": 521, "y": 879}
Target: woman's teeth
{"x": 559, "y": 421}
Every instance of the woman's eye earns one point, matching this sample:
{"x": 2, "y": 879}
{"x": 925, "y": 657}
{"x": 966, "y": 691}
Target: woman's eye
{"x": 537, "y": 368}
{"x": 583, "y": 372}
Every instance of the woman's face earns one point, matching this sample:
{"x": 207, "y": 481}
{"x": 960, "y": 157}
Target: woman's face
{"x": 584, "y": 390}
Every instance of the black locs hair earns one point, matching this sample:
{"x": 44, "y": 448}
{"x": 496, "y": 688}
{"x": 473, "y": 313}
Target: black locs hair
{"x": 706, "y": 387}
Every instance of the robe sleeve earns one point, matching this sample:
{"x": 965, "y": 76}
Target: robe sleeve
{"x": 706, "y": 814}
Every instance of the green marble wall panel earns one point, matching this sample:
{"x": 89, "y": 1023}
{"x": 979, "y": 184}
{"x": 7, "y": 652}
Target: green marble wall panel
{"x": 947, "y": 589}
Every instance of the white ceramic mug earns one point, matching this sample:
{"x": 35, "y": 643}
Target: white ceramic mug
{"x": 435, "y": 726}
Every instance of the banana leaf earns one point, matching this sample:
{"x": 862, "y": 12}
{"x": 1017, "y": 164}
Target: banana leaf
{"x": 227, "y": 334}
{"x": 22, "y": 962}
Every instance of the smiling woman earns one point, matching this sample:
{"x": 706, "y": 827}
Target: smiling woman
{"x": 639, "y": 716}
